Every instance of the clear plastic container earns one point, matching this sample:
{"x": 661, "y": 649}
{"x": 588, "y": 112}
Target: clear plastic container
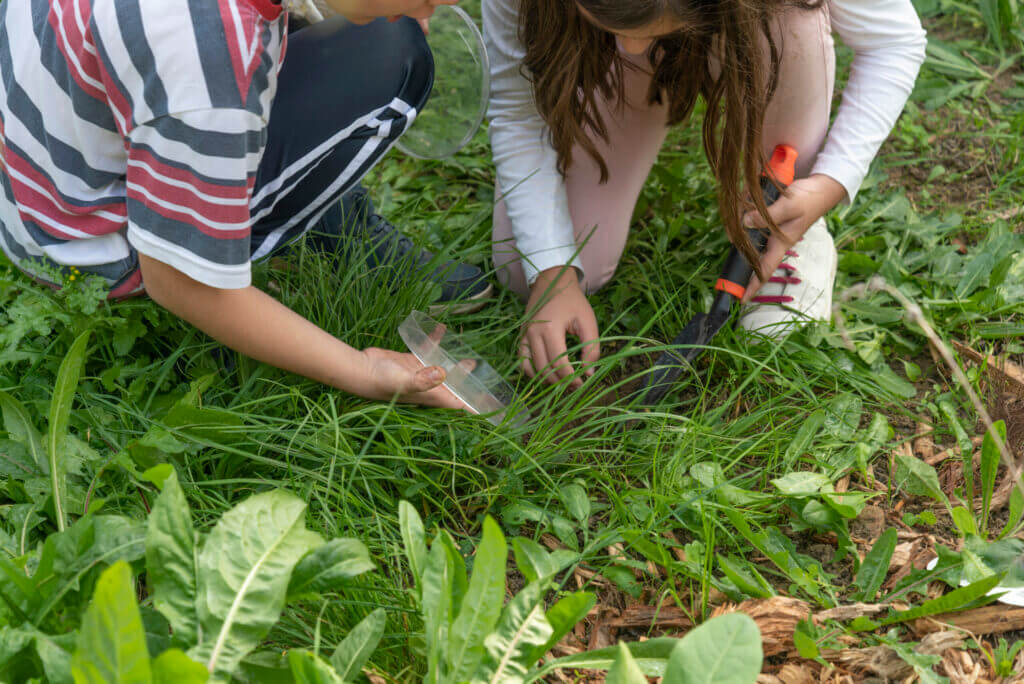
{"x": 470, "y": 378}
{"x": 458, "y": 102}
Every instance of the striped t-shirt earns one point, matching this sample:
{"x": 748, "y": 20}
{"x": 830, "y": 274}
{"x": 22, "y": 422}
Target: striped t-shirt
{"x": 131, "y": 126}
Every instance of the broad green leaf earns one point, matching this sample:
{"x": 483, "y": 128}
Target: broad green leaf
{"x": 68, "y": 375}
{"x": 723, "y": 650}
{"x": 801, "y": 483}
{"x": 327, "y": 566}
{"x": 522, "y": 628}
{"x": 244, "y": 569}
{"x": 174, "y": 667}
{"x": 562, "y": 617}
{"x": 352, "y": 653}
{"x": 308, "y": 668}
{"x": 651, "y": 657}
{"x": 990, "y": 459}
{"x": 875, "y": 566}
{"x": 460, "y": 578}
{"x": 974, "y": 567}
{"x": 975, "y": 274}
{"x": 481, "y": 605}
{"x": 13, "y": 640}
{"x": 964, "y": 521}
{"x": 436, "y": 584}
{"x": 847, "y": 504}
{"x": 625, "y": 670}
{"x": 91, "y": 542}
{"x": 954, "y": 600}
{"x": 18, "y": 424}
{"x": 16, "y": 462}
{"x": 414, "y": 538}
{"x": 55, "y": 655}
{"x": 171, "y": 562}
{"x": 111, "y": 643}
{"x": 1016, "y": 511}
{"x": 843, "y": 416}
{"x": 576, "y": 501}
{"x": 863, "y": 624}
{"x": 158, "y": 474}
{"x": 536, "y": 563}
{"x": 805, "y": 644}
{"x": 804, "y": 436}
{"x": 917, "y": 477}
{"x": 746, "y": 577}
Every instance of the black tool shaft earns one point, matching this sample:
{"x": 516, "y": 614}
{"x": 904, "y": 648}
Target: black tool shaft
{"x": 692, "y": 341}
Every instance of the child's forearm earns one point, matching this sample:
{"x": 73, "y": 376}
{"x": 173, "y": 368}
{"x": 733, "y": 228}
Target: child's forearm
{"x": 257, "y": 325}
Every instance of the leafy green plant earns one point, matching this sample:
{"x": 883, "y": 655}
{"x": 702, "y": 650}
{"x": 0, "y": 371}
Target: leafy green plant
{"x": 723, "y": 650}
{"x": 111, "y": 645}
{"x": 1002, "y": 657}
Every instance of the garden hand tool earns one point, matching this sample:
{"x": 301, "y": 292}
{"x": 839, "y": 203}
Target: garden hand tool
{"x": 731, "y": 286}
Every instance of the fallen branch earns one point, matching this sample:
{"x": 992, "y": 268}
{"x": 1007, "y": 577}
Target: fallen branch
{"x": 995, "y": 619}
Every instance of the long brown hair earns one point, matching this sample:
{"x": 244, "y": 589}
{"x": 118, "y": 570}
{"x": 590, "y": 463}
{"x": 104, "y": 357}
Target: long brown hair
{"x": 571, "y": 63}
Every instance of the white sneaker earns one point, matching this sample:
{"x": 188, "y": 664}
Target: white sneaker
{"x": 800, "y": 290}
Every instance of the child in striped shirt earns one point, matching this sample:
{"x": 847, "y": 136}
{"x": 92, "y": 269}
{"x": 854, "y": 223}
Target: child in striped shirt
{"x": 164, "y": 145}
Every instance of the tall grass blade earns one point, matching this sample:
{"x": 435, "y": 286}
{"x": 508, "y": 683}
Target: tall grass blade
{"x": 990, "y": 459}
{"x": 68, "y": 375}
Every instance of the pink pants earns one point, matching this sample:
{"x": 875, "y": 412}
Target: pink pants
{"x": 798, "y": 115}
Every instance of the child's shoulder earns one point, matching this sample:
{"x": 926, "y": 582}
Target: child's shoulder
{"x": 193, "y": 53}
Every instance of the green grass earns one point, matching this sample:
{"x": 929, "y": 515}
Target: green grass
{"x": 752, "y": 414}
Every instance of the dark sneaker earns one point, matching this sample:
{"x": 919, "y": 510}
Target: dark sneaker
{"x": 464, "y": 288}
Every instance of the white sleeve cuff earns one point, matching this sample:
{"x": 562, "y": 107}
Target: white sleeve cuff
{"x": 846, "y": 174}
{"x": 534, "y": 264}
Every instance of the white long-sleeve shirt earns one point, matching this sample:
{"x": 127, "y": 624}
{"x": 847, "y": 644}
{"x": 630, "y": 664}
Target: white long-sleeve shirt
{"x": 889, "y": 47}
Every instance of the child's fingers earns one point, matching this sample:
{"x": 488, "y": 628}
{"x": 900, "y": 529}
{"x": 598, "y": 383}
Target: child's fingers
{"x": 558, "y": 355}
{"x": 425, "y": 380}
{"x": 585, "y": 328}
{"x": 537, "y": 354}
{"x": 785, "y": 209}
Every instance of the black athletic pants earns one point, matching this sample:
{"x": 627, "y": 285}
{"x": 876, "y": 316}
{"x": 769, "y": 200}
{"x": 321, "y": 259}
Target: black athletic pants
{"x": 345, "y": 94}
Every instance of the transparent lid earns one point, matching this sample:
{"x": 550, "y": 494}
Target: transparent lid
{"x": 470, "y": 378}
{"x": 458, "y": 102}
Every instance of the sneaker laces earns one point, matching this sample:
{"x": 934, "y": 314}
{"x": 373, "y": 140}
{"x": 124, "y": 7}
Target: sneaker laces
{"x": 786, "y": 278}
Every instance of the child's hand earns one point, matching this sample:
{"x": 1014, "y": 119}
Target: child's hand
{"x": 394, "y": 373}
{"x": 806, "y": 200}
{"x": 558, "y": 307}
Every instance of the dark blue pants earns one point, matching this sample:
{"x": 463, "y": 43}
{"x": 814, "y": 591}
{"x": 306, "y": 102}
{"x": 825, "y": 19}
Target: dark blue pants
{"x": 346, "y": 93}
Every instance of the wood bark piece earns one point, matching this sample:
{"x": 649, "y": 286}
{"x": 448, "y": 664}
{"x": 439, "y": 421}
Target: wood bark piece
{"x": 776, "y": 617}
{"x": 850, "y": 612}
{"x": 882, "y": 661}
{"x": 924, "y": 447}
{"x": 998, "y": 618}
{"x": 646, "y": 617}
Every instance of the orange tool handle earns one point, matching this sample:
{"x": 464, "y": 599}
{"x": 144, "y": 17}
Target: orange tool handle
{"x": 736, "y": 272}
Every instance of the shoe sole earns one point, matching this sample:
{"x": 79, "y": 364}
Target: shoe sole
{"x": 464, "y": 306}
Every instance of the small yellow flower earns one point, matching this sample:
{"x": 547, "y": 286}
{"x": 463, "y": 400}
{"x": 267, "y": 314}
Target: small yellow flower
{"x": 71, "y": 277}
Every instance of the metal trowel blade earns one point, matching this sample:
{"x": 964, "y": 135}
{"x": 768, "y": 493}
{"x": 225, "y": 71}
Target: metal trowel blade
{"x": 689, "y": 345}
